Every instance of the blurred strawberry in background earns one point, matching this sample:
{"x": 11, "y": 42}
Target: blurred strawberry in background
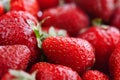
{"x": 45, "y": 4}
{"x": 115, "y": 19}
{"x": 67, "y": 17}
{"x": 97, "y": 8}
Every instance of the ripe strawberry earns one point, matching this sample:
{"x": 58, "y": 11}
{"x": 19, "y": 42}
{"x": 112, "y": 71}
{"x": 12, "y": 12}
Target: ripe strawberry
{"x": 94, "y": 75}
{"x": 115, "y": 20}
{"x": 104, "y": 40}
{"x": 67, "y": 17}
{"x": 46, "y": 4}
{"x": 68, "y": 1}
{"x": 14, "y": 29}
{"x": 47, "y": 71}
{"x": 1, "y": 8}
{"x": 30, "y": 6}
{"x": 18, "y": 75}
{"x": 7, "y": 76}
{"x": 13, "y": 57}
{"x": 72, "y": 52}
{"x": 114, "y": 63}
{"x": 97, "y": 8}
{"x": 117, "y": 3}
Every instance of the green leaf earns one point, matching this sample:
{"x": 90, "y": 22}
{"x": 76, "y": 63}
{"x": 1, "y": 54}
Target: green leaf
{"x": 21, "y": 75}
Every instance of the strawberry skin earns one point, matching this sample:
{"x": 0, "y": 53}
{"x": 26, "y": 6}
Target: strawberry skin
{"x": 97, "y": 8}
{"x": 30, "y": 6}
{"x": 68, "y": 1}
{"x": 47, "y": 71}
{"x": 94, "y": 75}
{"x": 7, "y": 76}
{"x": 114, "y": 63}
{"x": 115, "y": 20}
{"x": 46, "y": 4}
{"x": 67, "y": 17}
{"x": 72, "y": 52}
{"x": 14, "y": 29}
{"x": 13, "y": 57}
{"x": 104, "y": 41}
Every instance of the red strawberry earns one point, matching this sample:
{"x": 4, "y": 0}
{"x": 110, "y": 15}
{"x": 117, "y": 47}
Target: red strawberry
{"x": 68, "y": 1}
{"x": 46, "y": 4}
{"x": 18, "y": 75}
{"x": 104, "y": 40}
{"x": 7, "y": 76}
{"x": 1, "y": 8}
{"x": 13, "y": 57}
{"x": 14, "y": 29}
{"x": 67, "y": 17}
{"x": 47, "y": 71}
{"x": 115, "y": 20}
{"x": 117, "y": 3}
{"x": 72, "y": 52}
{"x": 114, "y": 63}
{"x": 94, "y": 75}
{"x": 30, "y": 6}
{"x": 97, "y": 8}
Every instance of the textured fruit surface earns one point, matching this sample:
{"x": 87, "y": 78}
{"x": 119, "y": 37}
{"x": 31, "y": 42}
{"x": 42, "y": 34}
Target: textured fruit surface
{"x": 13, "y": 57}
{"x": 97, "y": 8}
{"x": 14, "y": 29}
{"x": 30, "y": 6}
{"x": 47, "y": 71}
{"x": 72, "y": 52}
{"x": 94, "y": 75}
{"x": 67, "y": 17}
{"x": 114, "y": 63}
{"x": 104, "y": 41}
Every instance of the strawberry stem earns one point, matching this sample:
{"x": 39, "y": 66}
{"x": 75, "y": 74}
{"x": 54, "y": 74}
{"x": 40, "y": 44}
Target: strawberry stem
{"x": 97, "y": 22}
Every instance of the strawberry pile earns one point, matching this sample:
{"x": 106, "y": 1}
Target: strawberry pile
{"x": 60, "y": 40}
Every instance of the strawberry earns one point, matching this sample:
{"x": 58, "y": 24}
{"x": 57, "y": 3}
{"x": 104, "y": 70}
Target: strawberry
{"x": 114, "y": 63}
{"x": 7, "y": 76}
{"x": 72, "y": 52}
{"x": 46, "y": 4}
{"x": 115, "y": 20}
{"x": 117, "y": 3}
{"x": 68, "y": 1}
{"x": 94, "y": 75}
{"x": 104, "y": 40}
{"x": 47, "y": 71}
{"x": 18, "y": 75}
{"x": 14, "y": 29}
{"x": 97, "y": 8}
{"x": 1, "y": 8}
{"x": 30, "y": 6}
{"x": 13, "y": 57}
{"x": 67, "y": 17}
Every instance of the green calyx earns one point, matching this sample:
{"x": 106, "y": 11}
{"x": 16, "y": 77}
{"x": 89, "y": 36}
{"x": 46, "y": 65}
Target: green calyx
{"x": 6, "y": 4}
{"x": 21, "y": 75}
{"x": 38, "y": 32}
{"x": 41, "y": 35}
